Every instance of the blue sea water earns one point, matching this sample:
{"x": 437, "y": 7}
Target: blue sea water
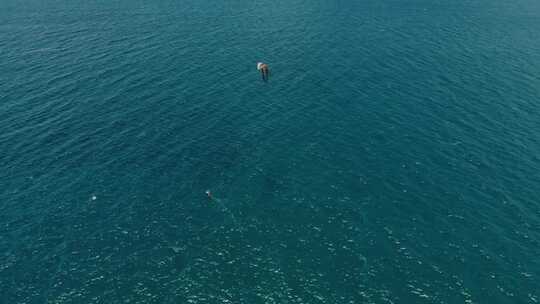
{"x": 393, "y": 157}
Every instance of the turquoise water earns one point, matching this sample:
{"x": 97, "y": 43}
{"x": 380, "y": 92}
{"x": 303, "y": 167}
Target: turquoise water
{"x": 393, "y": 157}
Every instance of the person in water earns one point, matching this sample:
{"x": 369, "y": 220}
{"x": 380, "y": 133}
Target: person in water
{"x": 265, "y": 72}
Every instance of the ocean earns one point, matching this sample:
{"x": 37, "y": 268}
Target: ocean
{"x": 392, "y": 157}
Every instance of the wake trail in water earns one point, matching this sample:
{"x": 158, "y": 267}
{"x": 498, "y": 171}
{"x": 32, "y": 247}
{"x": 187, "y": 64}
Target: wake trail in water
{"x": 223, "y": 207}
